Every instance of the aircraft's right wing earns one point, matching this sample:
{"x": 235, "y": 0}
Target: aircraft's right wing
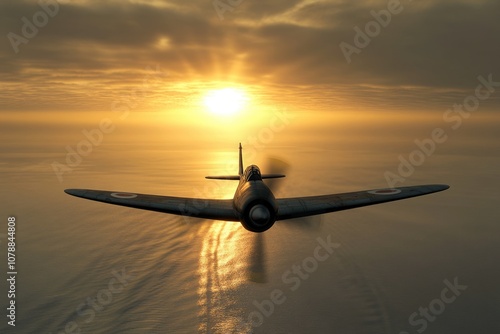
{"x": 315, "y": 205}
{"x": 218, "y": 209}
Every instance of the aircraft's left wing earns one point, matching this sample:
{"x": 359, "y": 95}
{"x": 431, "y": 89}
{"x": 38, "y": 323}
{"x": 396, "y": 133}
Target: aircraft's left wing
{"x": 218, "y": 209}
{"x": 315, "y": 205}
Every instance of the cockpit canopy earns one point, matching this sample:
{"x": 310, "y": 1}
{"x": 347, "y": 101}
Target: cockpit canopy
{"x": 252, "y": 173}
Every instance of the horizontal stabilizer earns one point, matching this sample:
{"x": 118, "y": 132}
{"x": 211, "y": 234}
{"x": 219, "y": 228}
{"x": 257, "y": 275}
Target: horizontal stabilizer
{"x": 272, "y": 176}
{"x": 224, "y": 177}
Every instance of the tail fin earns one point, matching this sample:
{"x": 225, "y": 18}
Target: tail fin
{"x": 231, "y": 177}
{"x": 240, "y": 171}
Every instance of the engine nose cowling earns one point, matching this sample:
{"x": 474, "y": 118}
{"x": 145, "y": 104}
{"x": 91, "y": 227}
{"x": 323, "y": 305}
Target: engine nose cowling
{"x": 259, "y": 214}
{"x": 258, "y": 217}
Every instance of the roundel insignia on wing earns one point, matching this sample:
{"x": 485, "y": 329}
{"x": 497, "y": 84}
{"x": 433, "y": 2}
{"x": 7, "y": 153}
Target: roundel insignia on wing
{"x": 384, "y": 191}
{"x": 123, "y": 195}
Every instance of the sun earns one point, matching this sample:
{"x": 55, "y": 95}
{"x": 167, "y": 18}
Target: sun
{"x": 225, "y": 102}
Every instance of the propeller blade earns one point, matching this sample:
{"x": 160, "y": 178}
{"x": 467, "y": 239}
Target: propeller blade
{"x": 275, "y": 165}
{"x": 257, "y": 269}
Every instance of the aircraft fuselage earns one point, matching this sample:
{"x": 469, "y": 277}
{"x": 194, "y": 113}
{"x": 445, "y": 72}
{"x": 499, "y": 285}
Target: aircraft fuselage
{"x": 255, "y": 202}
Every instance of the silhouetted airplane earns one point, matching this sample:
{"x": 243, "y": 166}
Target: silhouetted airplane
{"x": 254, "y": 204}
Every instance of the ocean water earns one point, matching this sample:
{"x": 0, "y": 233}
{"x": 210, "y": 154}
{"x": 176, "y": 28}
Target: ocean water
{"x": 428, "y": 264}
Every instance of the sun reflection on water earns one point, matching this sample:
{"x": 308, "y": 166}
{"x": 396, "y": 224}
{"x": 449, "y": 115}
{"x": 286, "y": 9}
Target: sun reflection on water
{"x": 221, "y": 272}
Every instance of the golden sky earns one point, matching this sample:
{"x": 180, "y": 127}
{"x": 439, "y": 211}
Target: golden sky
{"x": 166, "y": 56}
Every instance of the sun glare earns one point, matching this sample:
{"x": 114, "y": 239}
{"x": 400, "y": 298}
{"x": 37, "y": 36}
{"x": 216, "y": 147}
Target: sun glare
{"x": 225, "y": 102}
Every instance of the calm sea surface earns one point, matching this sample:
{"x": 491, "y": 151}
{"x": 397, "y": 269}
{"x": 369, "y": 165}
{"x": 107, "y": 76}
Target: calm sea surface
{"x": 88, "y": 267}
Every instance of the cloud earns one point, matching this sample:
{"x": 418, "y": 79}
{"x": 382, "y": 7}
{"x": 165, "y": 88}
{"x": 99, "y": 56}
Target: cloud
{"x": 106, "y": 45}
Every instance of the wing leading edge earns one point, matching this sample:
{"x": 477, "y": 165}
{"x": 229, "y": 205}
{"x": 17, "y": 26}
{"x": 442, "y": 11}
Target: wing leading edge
{"x": 222, "y": 209}
{"x": 315, "y": 205}
{"x": 217, "y": 209}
